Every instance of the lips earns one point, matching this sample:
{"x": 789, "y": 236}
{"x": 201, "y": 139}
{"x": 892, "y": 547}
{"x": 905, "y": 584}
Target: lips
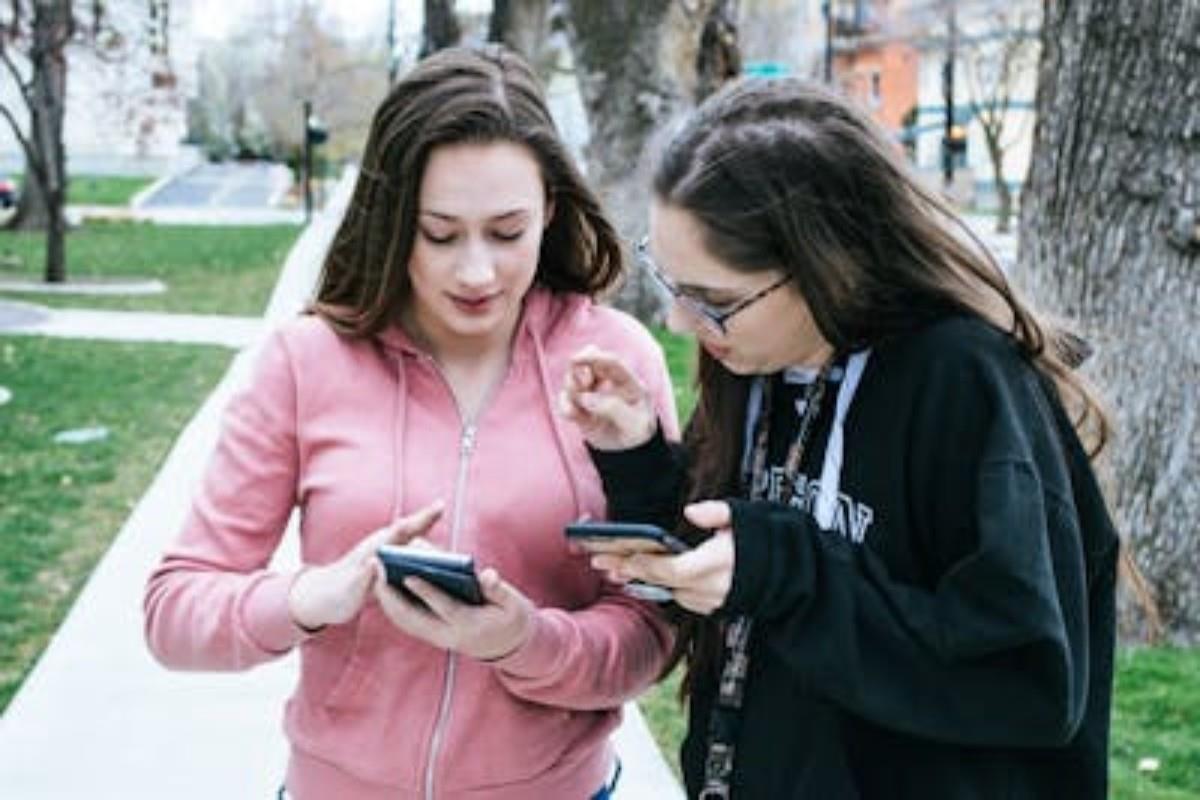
{"x": 473, "y": 305}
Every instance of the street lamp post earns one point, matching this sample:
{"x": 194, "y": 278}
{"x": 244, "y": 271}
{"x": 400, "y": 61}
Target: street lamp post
{"x": 315, "y": 133}
{"x": 827, "y": 10}
{"x": 391, "y": 43}
{"x": 948, "y": 94}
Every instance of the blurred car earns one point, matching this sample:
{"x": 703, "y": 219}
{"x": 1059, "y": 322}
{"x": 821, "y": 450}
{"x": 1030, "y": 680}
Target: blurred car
{"x": 8, "y": 192}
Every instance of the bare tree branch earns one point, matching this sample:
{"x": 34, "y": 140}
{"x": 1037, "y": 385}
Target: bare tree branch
{"x": 26, "y": 145}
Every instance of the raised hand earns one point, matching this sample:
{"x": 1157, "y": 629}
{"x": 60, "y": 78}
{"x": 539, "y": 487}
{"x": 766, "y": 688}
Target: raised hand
{"x": 606, "y": 400}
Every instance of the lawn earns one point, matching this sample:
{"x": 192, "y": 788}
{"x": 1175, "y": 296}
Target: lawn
{"x": 61, "y": 505}
{"x": 1156, "y": 712}
{"x": 104, "y": 190}
{"x": 207, "y": 270}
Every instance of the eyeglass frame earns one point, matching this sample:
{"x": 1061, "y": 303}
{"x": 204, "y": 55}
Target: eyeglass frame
{"x": 704, "y": 312}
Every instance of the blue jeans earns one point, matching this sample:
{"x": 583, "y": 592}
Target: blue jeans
{"x": 605, "y": 793}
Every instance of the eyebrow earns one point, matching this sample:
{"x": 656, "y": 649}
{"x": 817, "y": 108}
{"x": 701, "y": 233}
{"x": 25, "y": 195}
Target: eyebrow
{"x": 504, "y": 215}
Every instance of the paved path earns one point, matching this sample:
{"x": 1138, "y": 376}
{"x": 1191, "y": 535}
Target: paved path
{"x": 98, "y": 718}
{"x": 77, "y": 323}
{"x": 228, "y": 185}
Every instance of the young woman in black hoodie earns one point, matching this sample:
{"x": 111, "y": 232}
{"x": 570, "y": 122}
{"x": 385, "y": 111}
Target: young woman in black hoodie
{"x": 902, "y": 583}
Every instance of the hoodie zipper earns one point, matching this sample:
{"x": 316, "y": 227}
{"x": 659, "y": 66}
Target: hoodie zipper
{"x": 466, "y": 446}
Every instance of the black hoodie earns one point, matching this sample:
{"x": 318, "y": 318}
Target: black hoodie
{"x": 951, "y": 635}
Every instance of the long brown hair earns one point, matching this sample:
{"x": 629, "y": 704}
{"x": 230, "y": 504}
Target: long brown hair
{"x": 469, "y": 94}
{"x": 785, "y": 175}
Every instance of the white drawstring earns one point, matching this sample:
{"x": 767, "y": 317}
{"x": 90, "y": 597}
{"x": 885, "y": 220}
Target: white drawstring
{"x": 831, "y": 471}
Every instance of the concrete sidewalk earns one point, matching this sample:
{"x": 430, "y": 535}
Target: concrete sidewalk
{"x": 98, "y": 718}
{"x": 124, "y": 326}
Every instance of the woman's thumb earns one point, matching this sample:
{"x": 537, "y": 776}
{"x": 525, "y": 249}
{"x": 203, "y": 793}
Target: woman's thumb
{"x": 709, "y": 514}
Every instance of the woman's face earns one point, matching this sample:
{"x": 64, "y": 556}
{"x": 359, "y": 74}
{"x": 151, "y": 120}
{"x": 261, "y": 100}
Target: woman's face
{"x": 481, "y": 212}
{"x": 774, "y": 331}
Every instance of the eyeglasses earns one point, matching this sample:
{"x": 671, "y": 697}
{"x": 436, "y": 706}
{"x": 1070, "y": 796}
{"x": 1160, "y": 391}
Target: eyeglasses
{"x": 712, "y": 317}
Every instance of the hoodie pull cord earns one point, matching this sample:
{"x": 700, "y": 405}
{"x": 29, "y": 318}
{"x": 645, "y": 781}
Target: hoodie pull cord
{"x": 831, "y": 470}
{"x": 559, "y": 440}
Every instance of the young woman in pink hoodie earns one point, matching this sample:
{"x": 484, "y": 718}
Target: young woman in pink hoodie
{"x": 417, "y": 401}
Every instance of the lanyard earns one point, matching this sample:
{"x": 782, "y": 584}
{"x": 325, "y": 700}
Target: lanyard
{"x": 725, "y": 716}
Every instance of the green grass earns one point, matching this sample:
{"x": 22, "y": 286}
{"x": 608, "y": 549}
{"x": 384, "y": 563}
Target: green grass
{"x": 207, "y": 270}
{"x": 1156, "y": 714}
{"x": 61, "y": 505}
{"x": 681, "y": 361}
{"x": 104, "y": 190}
{"x": 101, "y": 190}
{"x": 1156, "y": 703}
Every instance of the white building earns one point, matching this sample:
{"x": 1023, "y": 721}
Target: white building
{"x": 995, "y": 78}
{"x": 126, "y": 109}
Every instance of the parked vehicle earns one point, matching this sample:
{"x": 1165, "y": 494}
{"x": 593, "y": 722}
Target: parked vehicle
{"x": 8, "y": 192}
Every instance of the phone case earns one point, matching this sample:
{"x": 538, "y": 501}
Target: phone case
{"x": 453, "y": 573}
{"x": 637, "y": 532}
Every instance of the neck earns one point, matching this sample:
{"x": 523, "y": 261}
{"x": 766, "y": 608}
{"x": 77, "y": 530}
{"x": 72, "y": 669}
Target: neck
{"x": 471, "y": 366}
{"x": 453, "y": 351}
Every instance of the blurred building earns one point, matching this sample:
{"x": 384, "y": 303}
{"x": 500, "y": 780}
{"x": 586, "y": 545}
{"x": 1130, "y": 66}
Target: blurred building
{"x": 126, "y": 108}
{"x": 892, "y": 56}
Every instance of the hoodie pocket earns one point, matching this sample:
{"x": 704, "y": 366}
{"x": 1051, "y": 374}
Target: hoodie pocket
{"x": 351, "y": 689}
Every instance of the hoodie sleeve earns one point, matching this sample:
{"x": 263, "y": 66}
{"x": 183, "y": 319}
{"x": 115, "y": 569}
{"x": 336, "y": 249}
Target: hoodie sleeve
{"x": 603, "y": 655}
{"x": 211, "y": 603}
{"x": 992, "y": 649}
{"x": 594, "y": 658}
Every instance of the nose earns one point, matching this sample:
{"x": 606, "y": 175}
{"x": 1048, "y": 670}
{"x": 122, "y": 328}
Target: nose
{"x": 476, "y": 267}
{"x": 677, "y": 320}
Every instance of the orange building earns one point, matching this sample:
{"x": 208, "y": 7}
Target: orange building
{"x": 871, "y": 63}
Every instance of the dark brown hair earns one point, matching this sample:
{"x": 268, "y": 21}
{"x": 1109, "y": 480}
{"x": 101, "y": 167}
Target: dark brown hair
{"x": 785, "y": 175}
{"x": 483, "y": 94}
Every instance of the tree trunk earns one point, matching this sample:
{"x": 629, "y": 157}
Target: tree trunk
{"x": 524, "y": 25}
{"x": 42, "y": 201}
{"x": 1110, "y": 239}
{"x": 441, "y": 26}
{"x": 1004, "y": 212}
{"x": 629, "y": 57}
{"x": 991, "y": 135}
{"x": 719, "y": 58}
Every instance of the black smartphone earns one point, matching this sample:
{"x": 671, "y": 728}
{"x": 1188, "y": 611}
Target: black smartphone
{"x": 453, "y": 573}
{"x": 629, "y": 537}
{"x": 625, "y": 537}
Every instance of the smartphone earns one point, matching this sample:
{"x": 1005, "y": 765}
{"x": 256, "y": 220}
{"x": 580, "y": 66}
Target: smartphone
{"x": 625, "y": 537}
{"x": 453, "y": 573}
{"x": 629, "y": 537}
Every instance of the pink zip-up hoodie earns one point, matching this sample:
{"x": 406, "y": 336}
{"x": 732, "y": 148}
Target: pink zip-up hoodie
{"x": 356, "y": 433}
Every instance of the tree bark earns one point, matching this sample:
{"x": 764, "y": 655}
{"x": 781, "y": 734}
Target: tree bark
{"x": 441, "y": 26}
{"x": 41, "y": 204}
{"x": 995, "y": 150}
{"x": 524, "y": 25}
{"x": 635, "y": 61}
{"x": 719, "y": 58}
{"x": 1110, "y": 239}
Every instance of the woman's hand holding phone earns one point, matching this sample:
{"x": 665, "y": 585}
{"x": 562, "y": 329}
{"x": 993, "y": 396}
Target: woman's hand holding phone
{"x": 606, "y": 400}
{"x": 485, "y": 632}
{"x": 333, "y": 593}
{"x": 700, "y": 578}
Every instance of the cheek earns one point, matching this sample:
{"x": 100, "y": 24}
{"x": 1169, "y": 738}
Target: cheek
{"x": 521, "y": 259}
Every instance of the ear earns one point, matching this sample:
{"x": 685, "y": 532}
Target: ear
{"x": 549, "y": 211}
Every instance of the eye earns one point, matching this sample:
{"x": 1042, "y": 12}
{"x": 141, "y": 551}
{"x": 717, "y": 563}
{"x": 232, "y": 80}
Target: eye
{"x": 435, "y": 239}
{"x": 716, "y": 301}
{"x": 508, "y": 236}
